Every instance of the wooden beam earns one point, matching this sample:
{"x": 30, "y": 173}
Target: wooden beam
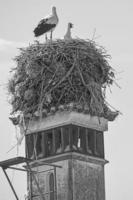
{"x": 43, "y": 144}
{"x": 54, "y": 141}
{"x": 49, "y": 164}
{"x": 70, "y": 137}
{"x": 62, "y": 139}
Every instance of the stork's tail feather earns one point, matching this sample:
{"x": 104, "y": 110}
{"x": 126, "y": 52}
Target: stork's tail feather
{"x": 41, "y": 29}
{"x": 36, "y": 32}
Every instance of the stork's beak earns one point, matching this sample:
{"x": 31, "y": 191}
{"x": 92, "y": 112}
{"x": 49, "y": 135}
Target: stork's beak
{"x": 71, "y": 25}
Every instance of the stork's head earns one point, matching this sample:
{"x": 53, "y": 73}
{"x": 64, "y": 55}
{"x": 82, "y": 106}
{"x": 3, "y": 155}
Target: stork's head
{"x": 53, "y": 9}
{"x": 70, "y": 25}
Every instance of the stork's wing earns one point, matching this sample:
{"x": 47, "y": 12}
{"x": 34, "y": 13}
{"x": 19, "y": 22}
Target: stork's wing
{"x": 43, "y": 27}
{"x": 42, "y": 22}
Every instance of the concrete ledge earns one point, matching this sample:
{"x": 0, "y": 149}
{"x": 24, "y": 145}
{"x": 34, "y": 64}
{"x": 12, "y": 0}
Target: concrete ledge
{"x": 67, "y": 118}
{"x": 69, "y": 156}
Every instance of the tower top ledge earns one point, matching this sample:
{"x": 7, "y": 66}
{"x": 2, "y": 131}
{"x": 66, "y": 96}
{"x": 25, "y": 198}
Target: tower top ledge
{"x": 66, "y": 118}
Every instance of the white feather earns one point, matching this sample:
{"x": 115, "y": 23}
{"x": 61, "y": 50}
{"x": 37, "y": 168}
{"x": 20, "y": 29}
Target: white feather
{"x": 68, "y": 36}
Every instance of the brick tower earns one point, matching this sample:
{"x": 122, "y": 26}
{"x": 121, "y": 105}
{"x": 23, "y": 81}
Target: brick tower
{"x": 58, "y": 94}
{"x": 67, "y": 149}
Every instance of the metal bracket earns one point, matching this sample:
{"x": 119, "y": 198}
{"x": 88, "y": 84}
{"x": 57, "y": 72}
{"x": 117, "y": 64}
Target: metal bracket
{"x": 8, "y": 163}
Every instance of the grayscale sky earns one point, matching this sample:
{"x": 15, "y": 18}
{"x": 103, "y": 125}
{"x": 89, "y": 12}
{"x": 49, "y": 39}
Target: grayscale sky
{"x": 111, "y": 20}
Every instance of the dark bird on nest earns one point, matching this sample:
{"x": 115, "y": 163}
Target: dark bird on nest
{"x": 68, "y": 36}
{"x": 47, "y": 24}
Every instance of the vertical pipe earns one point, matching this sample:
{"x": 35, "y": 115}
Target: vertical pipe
{"x": 70, "y": 137}
{"x": 95, "y": 145}
{"x": 30, "y": 184}
{"x": 86, "y": 139}
{"x": 62, "y": 139}
{"x": 55, "y": 190}
{"x": 43, "y": 143}
{"x": 79, "y": 142}
{"x": 54, "y": 141}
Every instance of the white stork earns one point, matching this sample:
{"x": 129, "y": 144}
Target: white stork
{"x": 47, "y": 24}
{"x": 68, "y": 36}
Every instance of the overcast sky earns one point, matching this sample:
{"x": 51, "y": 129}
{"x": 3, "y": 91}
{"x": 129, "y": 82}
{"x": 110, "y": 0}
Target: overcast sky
{"x": 112, "y": 20}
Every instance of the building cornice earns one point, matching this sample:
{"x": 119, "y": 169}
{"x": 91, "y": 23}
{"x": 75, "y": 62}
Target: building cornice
{"x": 66, "y": 118}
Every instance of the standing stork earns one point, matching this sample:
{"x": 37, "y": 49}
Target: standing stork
{"x": 68, "y": 36}
{"x": 47, "y": 24}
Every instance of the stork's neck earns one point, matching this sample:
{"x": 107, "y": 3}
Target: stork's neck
{"x": 68, "y": 29}
{"x": 54, "y": 12}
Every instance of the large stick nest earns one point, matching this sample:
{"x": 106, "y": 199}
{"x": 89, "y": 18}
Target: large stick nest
{"x": 61, "y": 75}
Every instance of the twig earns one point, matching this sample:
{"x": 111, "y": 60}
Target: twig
{"x": 65, "y": 77}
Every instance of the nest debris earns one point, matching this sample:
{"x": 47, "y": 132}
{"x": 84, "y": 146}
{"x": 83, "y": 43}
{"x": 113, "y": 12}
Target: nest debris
{"x": 61, "y": 75}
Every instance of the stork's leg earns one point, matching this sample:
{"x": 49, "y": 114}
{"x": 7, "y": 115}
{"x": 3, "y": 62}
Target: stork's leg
{"x": 46, "y": 38}
{"x": 51, "y": 35}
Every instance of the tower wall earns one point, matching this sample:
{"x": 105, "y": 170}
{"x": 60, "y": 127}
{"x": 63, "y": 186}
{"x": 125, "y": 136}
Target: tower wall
{"x": 79, "y": 177}
{"x": 58, "y": 97}
{"x": 61, "y": 183}
{"x": 75, "y": 174}
{"x": 88, "y": 180}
